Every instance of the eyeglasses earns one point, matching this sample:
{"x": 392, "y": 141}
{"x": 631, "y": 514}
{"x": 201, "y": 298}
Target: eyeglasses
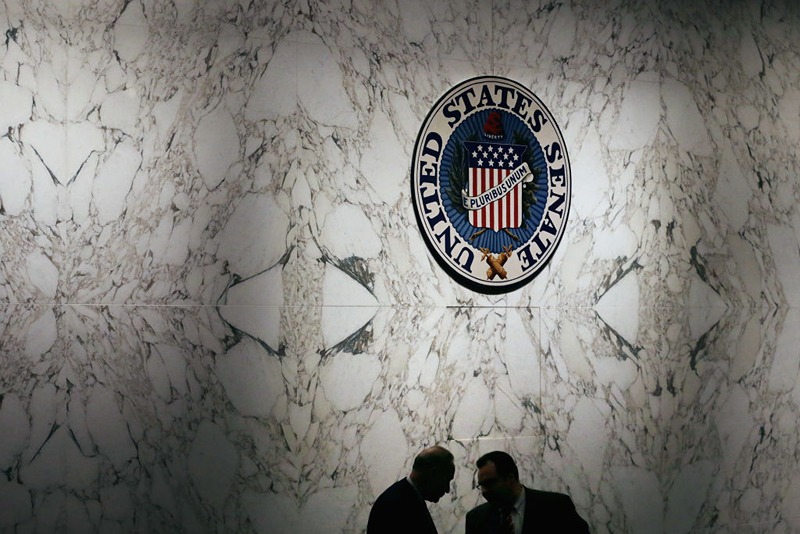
{"x": 487, "y": 483}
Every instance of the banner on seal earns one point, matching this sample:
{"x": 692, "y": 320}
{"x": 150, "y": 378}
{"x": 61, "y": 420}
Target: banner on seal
{"x": 519, "y": 175}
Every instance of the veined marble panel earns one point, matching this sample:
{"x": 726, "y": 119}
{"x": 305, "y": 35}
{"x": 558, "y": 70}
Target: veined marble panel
{"x": 107, "y": 418}
{"x": 415, "y": 30}
{"x": 224, "y": 156}
{"x": 359, "y": 210}
{"x": 696, "y": 44}
{"x": 253, "y": 157}
{"x": 180, "y": 183}
{"x": 151, "y": 418}
{"x": 168, "y": 159}
{"x": 676, "y": 430}
{"x": 178, "y": 144}
{"x": 679, "y": 172}
{"x": 165, "y": 418}
{"x": 32, "y": 142}
{"x": 357, "y": 407}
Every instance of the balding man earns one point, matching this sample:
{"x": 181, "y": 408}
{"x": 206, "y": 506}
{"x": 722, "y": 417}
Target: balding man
{"x": 401, "y": 509}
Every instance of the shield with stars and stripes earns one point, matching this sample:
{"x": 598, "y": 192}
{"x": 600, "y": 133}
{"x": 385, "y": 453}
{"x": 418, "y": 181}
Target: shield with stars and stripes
{"x": 496, "y": 199}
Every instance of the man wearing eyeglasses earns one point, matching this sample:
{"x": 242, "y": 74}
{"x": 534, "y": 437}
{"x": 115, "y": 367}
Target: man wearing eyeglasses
{"x": 511, "y": 508}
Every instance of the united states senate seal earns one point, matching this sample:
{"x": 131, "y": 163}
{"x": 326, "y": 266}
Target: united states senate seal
{"x": 491, "y": 184}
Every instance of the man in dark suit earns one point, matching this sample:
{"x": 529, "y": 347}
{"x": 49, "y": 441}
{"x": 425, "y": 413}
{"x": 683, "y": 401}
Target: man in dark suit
{"x": 401, "y": 509}
{"x": 511, "y": 508}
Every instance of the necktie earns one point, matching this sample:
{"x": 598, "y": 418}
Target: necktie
{"x": 507, "y": 522}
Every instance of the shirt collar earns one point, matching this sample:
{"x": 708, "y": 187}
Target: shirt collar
{"x": 519, "y": 504}
{"x": 415, "y": 489}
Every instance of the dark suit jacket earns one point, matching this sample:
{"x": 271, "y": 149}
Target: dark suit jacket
{"x": 400, "y": 510}
{"x": 545, "y": 512}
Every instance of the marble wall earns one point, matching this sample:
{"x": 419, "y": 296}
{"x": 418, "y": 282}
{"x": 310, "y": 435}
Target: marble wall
{"x": 218, "y": 314}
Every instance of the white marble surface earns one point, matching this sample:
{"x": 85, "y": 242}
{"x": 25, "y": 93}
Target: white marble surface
{"x": 218, "y": 314}
{"x": 164, "y": 417}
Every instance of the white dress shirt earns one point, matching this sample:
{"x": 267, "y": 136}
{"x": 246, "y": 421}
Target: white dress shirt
{"x": 518, "y": 512}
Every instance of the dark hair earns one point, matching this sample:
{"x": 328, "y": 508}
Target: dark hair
{"x": 503, "y": 463}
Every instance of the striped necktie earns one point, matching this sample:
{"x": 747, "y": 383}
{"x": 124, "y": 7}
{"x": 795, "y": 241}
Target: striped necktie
{"x": 507, "y": 521}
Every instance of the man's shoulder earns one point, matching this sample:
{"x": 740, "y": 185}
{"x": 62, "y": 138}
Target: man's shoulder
{"x": 480, "y": 510}
{"x": 481, "y": 507}
{"x": 548, "y": 496}
{"x": 399, "y": 509}
{"x": 555, "y": 510}
{"x": 549, "y": 500}
{"x": 400, "y": 485}
{"x": 399, "y": 490}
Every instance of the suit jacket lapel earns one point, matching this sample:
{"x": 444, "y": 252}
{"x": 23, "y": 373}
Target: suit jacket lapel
{"x": 422, "y": 510}
{"x": 529, "y": 519}
{"x": 493, "y": 520}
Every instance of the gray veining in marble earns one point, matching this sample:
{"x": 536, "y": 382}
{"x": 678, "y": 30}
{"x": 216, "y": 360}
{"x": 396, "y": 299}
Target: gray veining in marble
{"x": 219, "y": 315}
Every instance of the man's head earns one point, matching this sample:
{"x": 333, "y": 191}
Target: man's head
{"x": 498, "y": 478}
{"x": 432, "y": 472}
